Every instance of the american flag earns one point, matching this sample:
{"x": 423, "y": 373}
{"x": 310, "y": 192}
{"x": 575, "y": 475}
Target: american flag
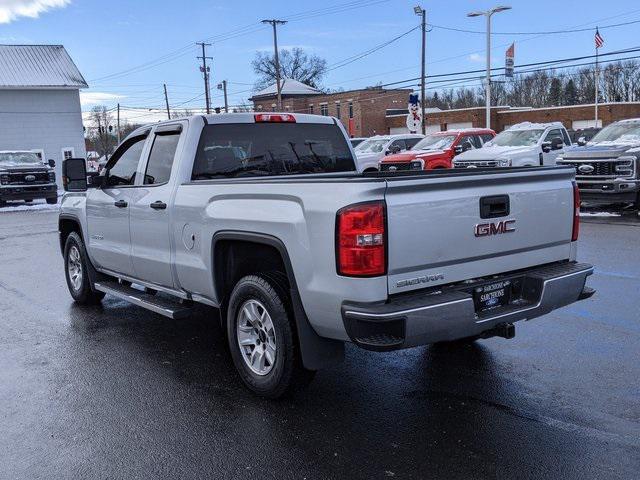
{"x": 598, "y": 39}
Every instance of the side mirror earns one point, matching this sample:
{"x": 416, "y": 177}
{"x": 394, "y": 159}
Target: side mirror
{"x": 458, "y": 149}
{"x": 546, "y": 147}
{"x": 52, "y": 163}
{"x": 95, "y": 180}
{"x": 557, "y": 144}
{"x": 582, "y": 141}
{"x": 74, "y": 175}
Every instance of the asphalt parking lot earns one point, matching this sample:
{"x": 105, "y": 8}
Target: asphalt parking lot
{"x": 118, "y": 392}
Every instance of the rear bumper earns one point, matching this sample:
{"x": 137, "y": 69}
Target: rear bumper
{"x": 420, "y": 318}
{"x": 31, "y": 192}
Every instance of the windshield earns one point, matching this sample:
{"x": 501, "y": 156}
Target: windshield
{"x": 373, "y": 145}
{"x": 19, "y": 158}
{"x": 624, "y": 132}
{"x": 435, "y": 142}
{"x": 516, "y": 138}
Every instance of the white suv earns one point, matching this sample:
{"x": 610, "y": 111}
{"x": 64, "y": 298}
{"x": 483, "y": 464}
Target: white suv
{"x": 371, "y": 151}
{"x": 522, "y": 145}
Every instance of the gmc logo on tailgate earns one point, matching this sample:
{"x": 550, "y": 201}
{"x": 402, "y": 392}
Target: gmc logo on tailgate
{"x": 487, "y": 229}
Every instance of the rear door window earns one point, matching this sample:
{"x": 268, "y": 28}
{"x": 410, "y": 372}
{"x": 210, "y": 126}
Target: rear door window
{"x": 266, "y": 149}
{"x": 161, "y": 158}
{"x": 486, "y": 137}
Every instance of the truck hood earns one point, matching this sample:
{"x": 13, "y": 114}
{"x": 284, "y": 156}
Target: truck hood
{"x": 412, "y": 155}
{"x": 493, "y": 153}
{"x": 608, "y": 149}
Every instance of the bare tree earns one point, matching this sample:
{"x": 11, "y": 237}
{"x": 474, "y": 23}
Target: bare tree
{"x": 294, "y": 63}
{"x": 102, "y": 130}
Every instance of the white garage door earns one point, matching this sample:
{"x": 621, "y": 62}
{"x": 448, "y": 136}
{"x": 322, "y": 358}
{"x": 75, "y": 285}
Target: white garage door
{"x": 580, "y": 124}
{"x": 459, "y": 125}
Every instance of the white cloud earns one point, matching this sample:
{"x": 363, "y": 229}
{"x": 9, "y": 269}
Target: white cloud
{"x": 98, "y": 98}
{"x": 10, "y": 10}
{"x": 476, "y": 57}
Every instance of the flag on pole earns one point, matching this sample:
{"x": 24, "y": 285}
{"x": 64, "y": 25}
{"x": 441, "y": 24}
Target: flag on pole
{"x": 508, "y": 62}
{"x": 598, "y": 39}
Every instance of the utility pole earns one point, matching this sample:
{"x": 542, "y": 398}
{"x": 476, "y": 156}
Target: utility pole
{"x": 166, "y": 100}
{"x": 223, "y": 86}
{"x": 205, "y": 70}
{"x": 118, "y": 125}
{"x": 274, "y": 23}
{"x": 488, "y": 14}
{"x": 423, "y": 100}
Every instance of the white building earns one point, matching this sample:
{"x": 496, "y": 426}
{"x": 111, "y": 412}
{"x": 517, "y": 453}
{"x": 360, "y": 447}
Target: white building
{"x": 40, "y": 102}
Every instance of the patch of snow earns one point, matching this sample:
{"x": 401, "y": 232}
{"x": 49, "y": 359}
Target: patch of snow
{"x": 35, "y": 206}
{"x": 599, "y": 214}
{"x": 534, "y": 126}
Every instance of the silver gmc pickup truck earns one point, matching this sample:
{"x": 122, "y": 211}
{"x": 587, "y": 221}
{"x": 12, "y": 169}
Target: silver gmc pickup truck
{"x": 265, "y": 217}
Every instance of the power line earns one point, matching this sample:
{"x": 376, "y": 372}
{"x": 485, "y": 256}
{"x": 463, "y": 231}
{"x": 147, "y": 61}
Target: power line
{"x": 547, "y": 32}
{"x": 368, "y": 52}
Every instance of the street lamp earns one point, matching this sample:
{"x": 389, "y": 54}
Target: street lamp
{"x": 488, "y": 14}
{"x": 421, "y": 12}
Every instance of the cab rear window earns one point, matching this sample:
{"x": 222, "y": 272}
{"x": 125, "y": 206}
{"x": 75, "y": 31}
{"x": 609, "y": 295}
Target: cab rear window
{"x": 268, "y": 149}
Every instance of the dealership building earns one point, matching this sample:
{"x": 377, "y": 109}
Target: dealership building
{"x": 379, "y": 111}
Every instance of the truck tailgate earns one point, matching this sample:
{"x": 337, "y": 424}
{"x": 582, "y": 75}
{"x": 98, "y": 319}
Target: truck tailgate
{"x": 436, "y": 233}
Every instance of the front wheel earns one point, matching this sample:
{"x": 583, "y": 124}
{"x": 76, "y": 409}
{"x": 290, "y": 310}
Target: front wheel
{"x": 262, "y": 337}
{"x": 76, "y": 272}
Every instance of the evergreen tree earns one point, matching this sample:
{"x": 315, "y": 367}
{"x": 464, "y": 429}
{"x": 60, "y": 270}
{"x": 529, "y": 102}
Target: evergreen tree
{"x": 570, "y": 93}
{"x": 555, "y": 92}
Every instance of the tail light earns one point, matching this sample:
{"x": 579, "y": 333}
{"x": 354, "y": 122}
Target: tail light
{"x": 576, "y": 212}
{"x": 360, "y": 240}
{"x": 274, "y": 118}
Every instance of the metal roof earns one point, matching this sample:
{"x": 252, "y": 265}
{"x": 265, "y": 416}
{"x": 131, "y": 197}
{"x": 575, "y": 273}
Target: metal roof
{"x": 33, "y": 66}
{"x": 288, "y": 87}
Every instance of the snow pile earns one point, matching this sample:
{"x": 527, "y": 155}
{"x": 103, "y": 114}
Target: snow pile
{"x": 534, "y": 126}
{"x": 36, "y": 205}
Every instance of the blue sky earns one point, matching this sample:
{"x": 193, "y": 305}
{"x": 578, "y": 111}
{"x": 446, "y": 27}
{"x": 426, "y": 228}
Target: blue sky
{"x": 109, "y": 37}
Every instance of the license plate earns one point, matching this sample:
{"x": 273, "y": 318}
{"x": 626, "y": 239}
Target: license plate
{"x": 492, "y": 295}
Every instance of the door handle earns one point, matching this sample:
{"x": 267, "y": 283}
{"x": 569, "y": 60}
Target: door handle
{"x": 158, "y": 205}
{"x": 121, "y": 204}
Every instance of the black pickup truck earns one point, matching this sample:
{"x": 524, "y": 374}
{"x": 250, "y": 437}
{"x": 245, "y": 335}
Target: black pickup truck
{"x": 23, "y": 176}
{"x": 608, "y": 167}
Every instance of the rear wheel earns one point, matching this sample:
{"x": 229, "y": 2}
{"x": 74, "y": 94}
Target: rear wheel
{"x": 76, "y": 272}
{"x": 262, "y": 337}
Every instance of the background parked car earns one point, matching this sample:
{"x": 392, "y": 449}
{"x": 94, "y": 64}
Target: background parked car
{"x": 522, "y": 145}
{"x": 581, "y": 136}
{"x": 371, "y": 151}
{"x": 24, "y": 176}
{"x": 608, "y": 167}
{"x": 437, "y": 150}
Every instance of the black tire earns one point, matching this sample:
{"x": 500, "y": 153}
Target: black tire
{"x": 81, "y": 290}
{"x": 286, "y": 373}
{"x": 52, "y": 200}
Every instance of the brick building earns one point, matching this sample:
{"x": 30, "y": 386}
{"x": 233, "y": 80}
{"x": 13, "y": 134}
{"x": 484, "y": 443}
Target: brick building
{"x": 574, "y": 117}
{"x": 361, "y": 111}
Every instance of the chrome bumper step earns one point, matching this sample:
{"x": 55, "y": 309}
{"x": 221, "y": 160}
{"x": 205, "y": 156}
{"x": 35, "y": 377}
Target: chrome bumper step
{"x": 163, "y": 306}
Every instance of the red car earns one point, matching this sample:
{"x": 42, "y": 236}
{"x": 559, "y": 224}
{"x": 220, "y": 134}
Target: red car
{"x": 437, "y": 150}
